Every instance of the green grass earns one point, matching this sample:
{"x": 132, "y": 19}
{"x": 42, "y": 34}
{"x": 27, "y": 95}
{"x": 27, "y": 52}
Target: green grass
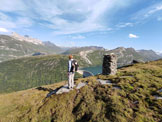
{"x": 31, "y": 72}
{"x": 135, "y": 102}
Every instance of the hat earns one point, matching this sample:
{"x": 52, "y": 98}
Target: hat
{"x": 70, "y": 56}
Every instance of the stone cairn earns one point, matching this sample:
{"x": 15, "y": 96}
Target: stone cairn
{"x": 109, "y": 66}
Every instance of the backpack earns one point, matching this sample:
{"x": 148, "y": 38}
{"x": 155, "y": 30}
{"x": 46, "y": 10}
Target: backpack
{"x": 75, "y": 66}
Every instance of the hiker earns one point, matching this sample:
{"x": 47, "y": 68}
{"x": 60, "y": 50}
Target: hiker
{"x": 72, "y": 67}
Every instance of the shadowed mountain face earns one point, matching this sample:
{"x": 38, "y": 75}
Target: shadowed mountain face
{"x": 134, "y": 95}
{"x": 14, "y": 47}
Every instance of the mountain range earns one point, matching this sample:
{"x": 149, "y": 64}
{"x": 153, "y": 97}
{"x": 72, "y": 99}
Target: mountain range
{"x": 94, "y": 55}
{"x": 17, "y": 46}
{"x": 23, "y": 73}
{"x": 32, "y": 63}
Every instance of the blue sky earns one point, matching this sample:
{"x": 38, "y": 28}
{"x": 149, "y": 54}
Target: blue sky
{"x": 107, "y": 23}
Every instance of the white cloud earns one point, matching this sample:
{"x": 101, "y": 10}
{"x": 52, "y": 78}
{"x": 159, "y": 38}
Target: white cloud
{"x": 78, "y": 37}
{"x": 18, "y": 22}
{"x": 123, "y": 25}
{"x": 3, "y": 30}
{"x": 3, "y": 16}
{"x": 133, "y": 36}
{"x": 7, "y": 24}
{"x": 152, "y": 11}
{"x": 159, "y": 53}
{"x": 63, "y": 17}
{"x": 23, "y": 22}
{"x": 66, "y": 43}
{"x": 12, "y": 5}
{"x": 90, "y": 15}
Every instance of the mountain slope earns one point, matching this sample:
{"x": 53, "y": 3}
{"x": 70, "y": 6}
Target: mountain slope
{"x": 79, "y": 49}
{"x": 125, "y": 55}
{"x": 52, "y": 47}
{"x": 149, "y": 54}
{"x": 34, "y": 71}
{"x": 12, "y": 47}
{"x": 133, "y": 99}
{"x": 28, "y": 72}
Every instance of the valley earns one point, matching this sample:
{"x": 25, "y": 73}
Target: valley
{"x": 20, "y": 70}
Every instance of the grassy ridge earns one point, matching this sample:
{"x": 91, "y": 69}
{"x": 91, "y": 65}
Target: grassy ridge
{"x": 133, "y": 102}
{"x": 16, "y": 104}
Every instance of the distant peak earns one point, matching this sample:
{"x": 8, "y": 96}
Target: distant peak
{"x": 26, "y": 38}
{"x": 120, "y": 48}
{"x": 14, "y": 33}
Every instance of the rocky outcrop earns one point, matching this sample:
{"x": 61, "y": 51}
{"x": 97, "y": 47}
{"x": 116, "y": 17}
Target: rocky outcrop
{"x": 85, "y": 73}
{"x": 84, "y": 54}
{"x": 109, "y": 64}
{"x": 137, "y": 61}
{"x": 26, "y": 38}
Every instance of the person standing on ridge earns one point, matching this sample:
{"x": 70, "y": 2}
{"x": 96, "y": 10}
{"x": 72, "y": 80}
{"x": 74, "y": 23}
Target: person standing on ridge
{"x": 72, "y": 67}
{"x": 71, "y": 72}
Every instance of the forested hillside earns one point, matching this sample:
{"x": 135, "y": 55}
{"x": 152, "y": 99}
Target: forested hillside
{"x": 30, "y": 72}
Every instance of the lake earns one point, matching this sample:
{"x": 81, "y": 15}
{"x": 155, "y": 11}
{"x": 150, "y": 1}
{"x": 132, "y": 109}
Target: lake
{"x": 95, "y": 70}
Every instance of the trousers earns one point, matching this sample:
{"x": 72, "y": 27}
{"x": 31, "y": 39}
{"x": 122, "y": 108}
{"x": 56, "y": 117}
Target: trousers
{"x": 71, "y": 80}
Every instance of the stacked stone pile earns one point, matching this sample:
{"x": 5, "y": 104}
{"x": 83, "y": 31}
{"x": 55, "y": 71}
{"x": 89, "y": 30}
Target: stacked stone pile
{"x": 109, "y": 66}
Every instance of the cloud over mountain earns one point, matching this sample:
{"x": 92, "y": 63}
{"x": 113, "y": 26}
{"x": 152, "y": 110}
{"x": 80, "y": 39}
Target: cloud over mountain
{"x": 3, "y": 30}
{"x": 133, "y": 36}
